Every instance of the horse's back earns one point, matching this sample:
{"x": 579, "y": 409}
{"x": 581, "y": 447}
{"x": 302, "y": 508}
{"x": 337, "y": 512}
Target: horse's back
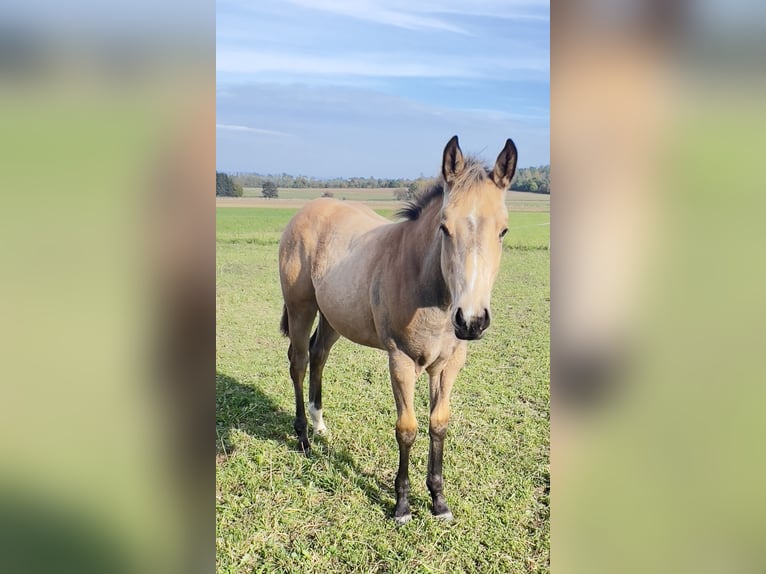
{"x": 320, "y": 234}
{"x": 352, "y": 216}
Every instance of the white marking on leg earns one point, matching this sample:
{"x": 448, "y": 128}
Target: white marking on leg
{"x": 316, "y": 419}
{"x": 446, "y": 516}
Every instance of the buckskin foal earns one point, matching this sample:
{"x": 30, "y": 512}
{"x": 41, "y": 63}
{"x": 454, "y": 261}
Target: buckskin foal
{"x": 418, "y": 289}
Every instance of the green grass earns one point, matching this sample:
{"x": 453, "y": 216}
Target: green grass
{"x": 278, "y": 511}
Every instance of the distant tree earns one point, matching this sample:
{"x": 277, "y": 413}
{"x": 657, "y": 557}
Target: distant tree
{"x": 270, "y": 190}
{"x": 225, "y": 186}
{"x": 533, "y": 179}
{"x": 401, "y": 194}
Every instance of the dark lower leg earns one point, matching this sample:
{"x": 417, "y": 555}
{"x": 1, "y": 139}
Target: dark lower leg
{"x": 434, "y": 481}
{"x": 297, "y": 373}
{"x": 402, "y": 483}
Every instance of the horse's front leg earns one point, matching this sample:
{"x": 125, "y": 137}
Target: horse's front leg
{"x": 403, "y": 378}
{"x": 440, "y": 382}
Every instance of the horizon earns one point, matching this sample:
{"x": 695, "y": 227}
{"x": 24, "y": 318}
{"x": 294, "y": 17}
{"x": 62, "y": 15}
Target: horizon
{"x": 357, "y": 176}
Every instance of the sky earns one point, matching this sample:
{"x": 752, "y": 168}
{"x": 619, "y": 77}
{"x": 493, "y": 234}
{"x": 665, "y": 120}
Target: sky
{"x": 344, "y": 88}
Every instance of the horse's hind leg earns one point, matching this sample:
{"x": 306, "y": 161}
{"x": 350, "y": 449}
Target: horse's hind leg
{"x": 300, "y": 319}
{"x": 321, "y": 343}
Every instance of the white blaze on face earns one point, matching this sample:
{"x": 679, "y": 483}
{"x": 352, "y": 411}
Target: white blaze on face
{"x": 316, "y": 419}
{"x": 473, "y": 257}
{"x": 472, "y": 268}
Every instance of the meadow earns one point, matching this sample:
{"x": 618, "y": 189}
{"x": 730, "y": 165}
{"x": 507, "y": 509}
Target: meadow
{"x": 278, "y": 511}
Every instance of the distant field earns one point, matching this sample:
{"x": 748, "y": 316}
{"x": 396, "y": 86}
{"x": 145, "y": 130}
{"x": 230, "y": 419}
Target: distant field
{"x": 361, "y": 194}
{"x": 278, "y": 511}
{"x": 376, "y": 198}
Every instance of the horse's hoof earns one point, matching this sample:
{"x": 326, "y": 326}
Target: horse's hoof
{"x": 320, "y": 430}
{"x": 404, "y": 519}
{"x": 446, "y": 516}
{"x": 304, "y": 447}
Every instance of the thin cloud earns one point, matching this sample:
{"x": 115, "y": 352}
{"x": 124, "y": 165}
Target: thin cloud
{"x": 372, "y": 11}
{"x": 503, "y": 9}
{"x": 371, "y": 65}
{"x": 539, "y": 114}
{"x": 236, "y": 128}
{"x": 253, "y": 61}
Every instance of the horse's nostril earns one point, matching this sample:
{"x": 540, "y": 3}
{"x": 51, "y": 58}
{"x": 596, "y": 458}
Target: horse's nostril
{"x": 485, "y": 323}
{"x": 459, "y": 319}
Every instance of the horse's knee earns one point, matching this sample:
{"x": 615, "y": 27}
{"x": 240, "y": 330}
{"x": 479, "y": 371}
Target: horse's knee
{"x": 438, "y": 428}
{"x": 406, "y": 432}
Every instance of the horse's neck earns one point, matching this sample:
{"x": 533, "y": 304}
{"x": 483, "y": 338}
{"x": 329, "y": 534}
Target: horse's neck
{"x": 423, "y": 244}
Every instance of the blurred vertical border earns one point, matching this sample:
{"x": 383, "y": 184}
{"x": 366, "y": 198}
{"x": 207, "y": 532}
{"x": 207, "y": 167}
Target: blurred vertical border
{"x": 107, "y": 334}
{"x": 658, "y": 116}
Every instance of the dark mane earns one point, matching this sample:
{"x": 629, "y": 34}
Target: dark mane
{"x": 475, "y": 171}
{"x": 412, "y": 209}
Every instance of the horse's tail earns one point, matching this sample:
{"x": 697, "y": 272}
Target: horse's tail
{"x": 283, "y": 324}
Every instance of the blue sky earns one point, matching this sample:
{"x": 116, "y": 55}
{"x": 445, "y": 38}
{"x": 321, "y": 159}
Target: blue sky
{"x": 341, "y": 88}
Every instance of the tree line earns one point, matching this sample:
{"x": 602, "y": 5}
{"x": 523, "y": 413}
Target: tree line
{"x": 286, "y": 180}
{"x": 225, "y": 186}
{"x": 533, "y": 179}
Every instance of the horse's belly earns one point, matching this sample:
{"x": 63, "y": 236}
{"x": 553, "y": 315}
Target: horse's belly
{"x": 350, "y": 315}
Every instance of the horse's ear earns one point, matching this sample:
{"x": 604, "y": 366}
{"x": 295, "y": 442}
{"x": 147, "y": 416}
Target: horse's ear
{"x": 505, "y": 166}
{"x": 452, "y": 162}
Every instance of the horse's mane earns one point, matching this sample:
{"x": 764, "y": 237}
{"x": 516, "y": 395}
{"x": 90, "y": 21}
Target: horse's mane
{"x": 475, "y": 171}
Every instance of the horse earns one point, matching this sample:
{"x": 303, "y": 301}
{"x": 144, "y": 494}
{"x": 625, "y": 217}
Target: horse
{"x": 418, "y": 288}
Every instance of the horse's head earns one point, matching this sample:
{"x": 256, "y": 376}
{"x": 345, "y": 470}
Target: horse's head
{"x": 473, "y": 222}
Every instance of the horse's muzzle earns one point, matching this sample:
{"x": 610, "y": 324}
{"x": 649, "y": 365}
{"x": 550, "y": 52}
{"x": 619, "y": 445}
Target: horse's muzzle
{"x": 470, "y": 330}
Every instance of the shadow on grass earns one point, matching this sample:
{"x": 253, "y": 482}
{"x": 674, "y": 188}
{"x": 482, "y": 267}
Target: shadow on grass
{"x": 250, "y": 410}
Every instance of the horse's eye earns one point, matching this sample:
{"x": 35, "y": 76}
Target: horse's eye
{"x": 444, "y": 230}
{"x": 503, "y": 232}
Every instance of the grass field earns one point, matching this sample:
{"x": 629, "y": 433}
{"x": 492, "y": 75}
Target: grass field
{"x": 278, "y": 511}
